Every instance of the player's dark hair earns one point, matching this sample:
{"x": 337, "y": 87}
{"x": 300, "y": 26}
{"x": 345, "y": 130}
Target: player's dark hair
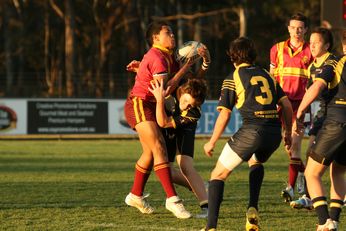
{"x": 326, "y": 35}
{"x": 242, "y": 50}
{"x": 197, "y": 88}
{"x": 299, "y": 17}
{"x": 154, "y": 28}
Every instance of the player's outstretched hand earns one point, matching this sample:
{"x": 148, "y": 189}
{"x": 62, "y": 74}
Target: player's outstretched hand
{"x": 209, "y": 149}
{"x": 133, "y": 66}
{"x": 204, "y": 53}
{"x": 158, "y": 90}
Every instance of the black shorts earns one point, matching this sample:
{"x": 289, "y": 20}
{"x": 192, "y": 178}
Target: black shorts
{"x": 330, "y": 143}
{"x": 181, "y": 140}
{"x": 259, "y": 140}
{"x": 316, "y": 125}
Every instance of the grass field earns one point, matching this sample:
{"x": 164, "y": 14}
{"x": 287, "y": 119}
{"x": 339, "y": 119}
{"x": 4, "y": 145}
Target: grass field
{"x": 81, "y": 185}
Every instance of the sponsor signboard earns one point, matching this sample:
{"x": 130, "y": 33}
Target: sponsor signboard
{"x": 67, "y": 117}
{"x": 90, "y": 116}
{"x": 12, "y": 116}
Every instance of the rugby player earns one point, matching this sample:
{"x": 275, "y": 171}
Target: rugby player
{"x": 328, "y": 150}
{"x": 178, "y": 114}
{"x": 289, "y": 61}
{"x": 157, "y": 64}
{"x": 321, "y": 74}
{"x": 256, "y": 94}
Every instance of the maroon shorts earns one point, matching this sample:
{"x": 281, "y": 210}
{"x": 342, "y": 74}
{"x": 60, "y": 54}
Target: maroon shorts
{"x": 138, "y": 110}
{"x": 295, "y": 105}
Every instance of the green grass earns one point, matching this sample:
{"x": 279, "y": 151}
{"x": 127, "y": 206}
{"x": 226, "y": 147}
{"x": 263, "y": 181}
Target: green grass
{"x": 81, "y": 185}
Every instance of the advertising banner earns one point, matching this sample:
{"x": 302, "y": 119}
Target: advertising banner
{"x": 67, "y": 117}
{"x": 209, "y": 116}
{"x": 86, "y": 116}
{"x": 12, "y": 116}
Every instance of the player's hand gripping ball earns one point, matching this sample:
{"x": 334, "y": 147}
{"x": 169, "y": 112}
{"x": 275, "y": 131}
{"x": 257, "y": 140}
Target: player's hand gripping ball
{"x": 188, "y": 52}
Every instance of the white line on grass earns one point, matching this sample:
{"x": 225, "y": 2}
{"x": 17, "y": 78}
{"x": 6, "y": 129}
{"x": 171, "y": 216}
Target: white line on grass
{"x": 131, "y": 227}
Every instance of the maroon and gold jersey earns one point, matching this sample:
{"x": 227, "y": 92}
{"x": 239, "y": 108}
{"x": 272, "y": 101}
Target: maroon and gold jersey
{"x": 291, "y": 68}
{"x": 156, "y": 62}
{"x": 255, "y": 93}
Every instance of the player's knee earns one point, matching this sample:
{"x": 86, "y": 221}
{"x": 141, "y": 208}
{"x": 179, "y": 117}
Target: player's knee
{"x": 311, "y": 173}
{"x": 159, "y": 147}
{"x": 219, "y": 175}
{"x": 186, "y": 170}
{"x": 252, "y": 161}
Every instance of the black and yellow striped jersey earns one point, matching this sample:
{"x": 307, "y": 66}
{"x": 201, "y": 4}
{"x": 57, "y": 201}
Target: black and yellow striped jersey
{"x": 324, "y": 71}
{"x": 186, "y": 118}
{"x": 337, "y": 106}
{"x": 254, "y": 92}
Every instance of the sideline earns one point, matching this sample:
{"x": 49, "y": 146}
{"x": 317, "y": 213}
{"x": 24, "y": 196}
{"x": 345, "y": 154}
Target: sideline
{"x": 67, "y": 137}
{"x": 81, "y": 137}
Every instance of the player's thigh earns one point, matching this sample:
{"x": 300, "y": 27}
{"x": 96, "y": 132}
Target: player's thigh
{"x": 137, "y": 110}
{"x": 228, "y": 160}
{"x": 244, "y": 142}
{"x": 259, "y": 140}
{"x": 186, "y": 141}
{"x": 150, "y": 134}
{"x": 220, "y": 172}
{"x": 268, "y": 143}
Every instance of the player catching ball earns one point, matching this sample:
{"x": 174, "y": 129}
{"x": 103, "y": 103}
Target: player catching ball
{"x": 140, "y": 107}
{"x": 180, "y": 140}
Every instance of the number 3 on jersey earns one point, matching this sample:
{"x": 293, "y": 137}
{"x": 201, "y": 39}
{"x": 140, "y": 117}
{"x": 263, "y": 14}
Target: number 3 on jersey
{"x": 265, "y": 88}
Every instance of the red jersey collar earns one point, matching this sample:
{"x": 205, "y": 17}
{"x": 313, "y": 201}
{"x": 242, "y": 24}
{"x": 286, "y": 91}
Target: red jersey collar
{"x": 287, "y": 44}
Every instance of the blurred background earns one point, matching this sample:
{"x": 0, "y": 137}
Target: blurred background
{"x": 79, "y": 48}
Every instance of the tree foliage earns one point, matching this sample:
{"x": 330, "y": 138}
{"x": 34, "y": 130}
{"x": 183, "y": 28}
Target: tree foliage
{"x": 79, "y": 48}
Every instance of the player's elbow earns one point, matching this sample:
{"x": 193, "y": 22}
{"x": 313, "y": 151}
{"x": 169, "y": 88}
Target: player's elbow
{"x": 161, "y": 123}
{"x": 164, "y": 123}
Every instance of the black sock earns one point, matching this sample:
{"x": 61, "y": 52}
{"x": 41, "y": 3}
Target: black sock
{"x": 203, "y": 205}
{"x": 321, "y": 208}
{"x": 256, "y": 175}
{"x": 215, "y": 196}
{"x": 335, "y": 209}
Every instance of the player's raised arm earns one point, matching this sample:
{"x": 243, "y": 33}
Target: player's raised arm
{"x": 204, "y": 53}
{"x": 173, "y": 82}
{"x": 159, "y": 92}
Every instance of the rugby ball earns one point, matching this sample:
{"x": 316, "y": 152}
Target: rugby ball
{"x": 188, "y": 51}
